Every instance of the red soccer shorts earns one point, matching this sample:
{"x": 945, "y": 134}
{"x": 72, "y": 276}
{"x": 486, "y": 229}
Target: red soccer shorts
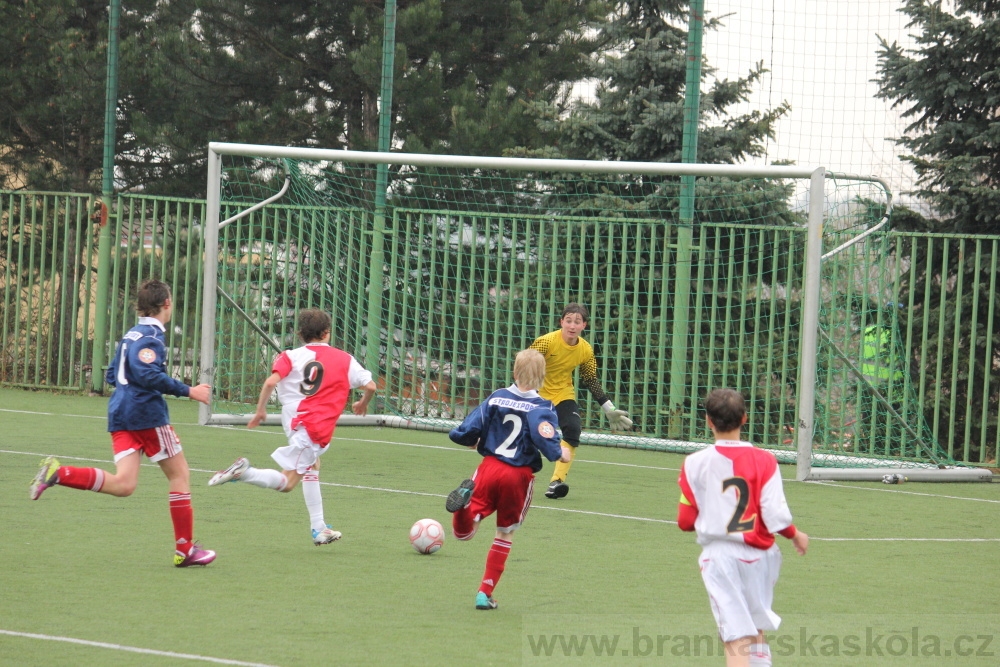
{"x": 157, "y": 443}
{"x": 503, "y": 489}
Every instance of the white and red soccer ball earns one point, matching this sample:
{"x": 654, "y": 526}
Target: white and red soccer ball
{"x": 427, "y": 536}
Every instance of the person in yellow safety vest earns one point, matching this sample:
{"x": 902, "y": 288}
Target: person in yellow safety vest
{"x": 884, "y": 369}
{"x": 879, "y": 362}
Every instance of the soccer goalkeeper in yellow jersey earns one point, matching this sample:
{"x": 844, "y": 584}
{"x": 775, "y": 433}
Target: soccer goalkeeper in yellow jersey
{"x": 564, "y": 350}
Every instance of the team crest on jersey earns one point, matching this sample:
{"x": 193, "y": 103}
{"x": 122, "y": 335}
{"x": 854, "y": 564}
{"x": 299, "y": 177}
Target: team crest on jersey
{"x": 546, "y": 430}
{"x": 147, "y": 355}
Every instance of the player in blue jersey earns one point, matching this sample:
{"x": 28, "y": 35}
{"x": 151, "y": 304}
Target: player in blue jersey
{"x": 139, "y": 423}
{"x": 511, "y": 429}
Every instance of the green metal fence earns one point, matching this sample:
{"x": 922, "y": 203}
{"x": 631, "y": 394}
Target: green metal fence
{"x": 48, "y": 281}
{"x": 48, "y": 290}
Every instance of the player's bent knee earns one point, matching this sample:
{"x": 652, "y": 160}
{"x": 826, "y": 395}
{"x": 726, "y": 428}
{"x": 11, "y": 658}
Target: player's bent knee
{"x": 119, "y": 490}
{"x": 464, "y": 537}
{"x": 291, "y": 481}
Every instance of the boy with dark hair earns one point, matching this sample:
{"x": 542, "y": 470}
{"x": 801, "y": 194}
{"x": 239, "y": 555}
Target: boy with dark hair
{"x": 732, "y": 496}
{"x": 511, "y": 430}
{"x": 313, "y": 383}
{"x": 139, "y": 423}
{"x": 565, "y": 350}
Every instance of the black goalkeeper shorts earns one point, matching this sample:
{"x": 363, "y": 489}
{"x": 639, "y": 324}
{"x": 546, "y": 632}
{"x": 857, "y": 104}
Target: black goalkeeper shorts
{"x": 569, "y": 422}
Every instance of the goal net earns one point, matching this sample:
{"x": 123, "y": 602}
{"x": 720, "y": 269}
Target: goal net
{"x": 438, "y": 269}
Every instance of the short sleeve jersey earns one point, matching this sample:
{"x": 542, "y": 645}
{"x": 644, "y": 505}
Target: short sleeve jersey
{"x": 736, "y": 489}
{"x": 316, "y": 381}
{"x": 514, "y": 426}
{"x": 560, "y": 362}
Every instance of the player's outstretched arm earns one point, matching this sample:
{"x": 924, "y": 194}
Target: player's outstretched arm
{"x": 618, "y": 419}
{"x": 801, "y": 542}
{"x": 201, "y": 393}
{"x": 360, "y": 406}
{"x": 265, "y": 395}
{"x": 144, "y": 361}
{"x": 472, "y": 428}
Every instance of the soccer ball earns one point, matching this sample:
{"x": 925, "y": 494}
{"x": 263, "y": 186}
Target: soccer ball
{"x": 426, "y": 536}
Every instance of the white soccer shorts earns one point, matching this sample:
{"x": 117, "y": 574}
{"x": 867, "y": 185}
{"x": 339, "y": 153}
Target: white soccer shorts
{"x": 740, "y": 583}
{"x": 299, "y": 454}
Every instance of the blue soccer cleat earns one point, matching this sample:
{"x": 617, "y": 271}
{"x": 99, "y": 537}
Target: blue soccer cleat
{"x": 461, "y": 497}
{"x": 484, "y": 601}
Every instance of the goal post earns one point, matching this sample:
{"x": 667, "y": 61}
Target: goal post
{"x": 466, "y": 260}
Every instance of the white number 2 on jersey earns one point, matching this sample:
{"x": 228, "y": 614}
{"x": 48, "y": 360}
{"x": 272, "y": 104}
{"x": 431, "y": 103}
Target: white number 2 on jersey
{"x": 505, "y": 448}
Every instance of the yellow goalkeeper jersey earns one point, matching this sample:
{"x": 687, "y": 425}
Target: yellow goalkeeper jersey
{"x": 560, "y": 362}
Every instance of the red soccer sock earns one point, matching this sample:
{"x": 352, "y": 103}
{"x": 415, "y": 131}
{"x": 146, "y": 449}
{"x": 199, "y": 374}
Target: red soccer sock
{"x": 85, "y": 479}
{"x": 183, "y": 517}
{"x": 463, "y": 524}
{"x": 496, "y": 559}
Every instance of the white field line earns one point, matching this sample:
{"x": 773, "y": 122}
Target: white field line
{"x": 908, "y": 493}
{"x": 451, "y": 448}
{"x": 51, "y": 414}
{"x": 134, "y": 649}
{"x": 905, "y": 539}
{"x": 608, "y": 515}
{"x": 548, "y": 507}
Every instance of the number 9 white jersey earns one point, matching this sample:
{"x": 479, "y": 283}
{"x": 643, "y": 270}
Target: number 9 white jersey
{"x": 316, "y": 381}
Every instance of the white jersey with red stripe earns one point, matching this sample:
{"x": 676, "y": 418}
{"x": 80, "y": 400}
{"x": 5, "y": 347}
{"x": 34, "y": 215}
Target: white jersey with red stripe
{"x": 316, "y": 381}
{"x": 736, "y": 490}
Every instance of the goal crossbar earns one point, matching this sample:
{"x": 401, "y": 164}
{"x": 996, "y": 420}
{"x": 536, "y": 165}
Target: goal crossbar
{"x": 816, "y": 176}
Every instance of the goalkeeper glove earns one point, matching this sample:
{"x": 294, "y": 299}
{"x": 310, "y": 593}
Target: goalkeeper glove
{"x": 618, "y": 418}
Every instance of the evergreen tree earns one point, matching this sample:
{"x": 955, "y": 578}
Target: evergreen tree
{"x": 470, "y": 69}
{"x": 636, "y": 113}
{"x": 946, "y": 89}
{"x": 53, "y": 82}
{"x": 637, "y": 110}
{"x": 295, "y": 72}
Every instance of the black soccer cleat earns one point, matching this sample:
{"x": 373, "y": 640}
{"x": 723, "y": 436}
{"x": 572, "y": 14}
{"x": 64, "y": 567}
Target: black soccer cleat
{"x": 557, "y": 489}
{"x": 460, "y": 497}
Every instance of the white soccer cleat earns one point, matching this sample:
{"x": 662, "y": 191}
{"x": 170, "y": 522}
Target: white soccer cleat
{"x": 325, "y": 536}
{"x": 230, "y": 474}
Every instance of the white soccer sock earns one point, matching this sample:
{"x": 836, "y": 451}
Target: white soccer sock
{"x": 314, "y": 499}
{"x": 265, "y": 478}
{"x": 760, "y": 655}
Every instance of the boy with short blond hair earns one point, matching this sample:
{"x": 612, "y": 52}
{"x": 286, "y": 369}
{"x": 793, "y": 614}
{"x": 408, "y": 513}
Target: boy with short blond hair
{"x": 511, "y": 429}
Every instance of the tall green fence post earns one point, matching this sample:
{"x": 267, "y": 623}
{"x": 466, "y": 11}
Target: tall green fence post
{"x": 99, "y": 354}
{"x": 679, "y": 390}
{"x": 374, "y": 319}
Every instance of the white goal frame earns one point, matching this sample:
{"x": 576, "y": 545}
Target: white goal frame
{"x": 816, "y": 176}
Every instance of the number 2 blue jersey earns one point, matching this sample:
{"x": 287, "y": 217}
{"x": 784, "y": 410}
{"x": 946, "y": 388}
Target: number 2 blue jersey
{"x": 515, "y": 426}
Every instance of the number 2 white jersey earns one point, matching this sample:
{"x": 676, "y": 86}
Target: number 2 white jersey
{"x": 736, "y": 490}
{"x": 316, "y": 381}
